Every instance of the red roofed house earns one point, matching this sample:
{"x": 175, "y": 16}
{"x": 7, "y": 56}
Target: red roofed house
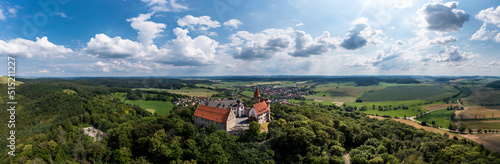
{"x": 223, "y": 118}
{"x": 261, "y": 111}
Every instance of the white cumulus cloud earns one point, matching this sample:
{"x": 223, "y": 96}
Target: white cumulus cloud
{"x": 41, "y": 48}
{"x": 443, "y": 17}
{"x": 147, "y": 30}
{"x": 202, "y": 23}
{"x": 165, "y": 5}
{"x": 233, "y": 23}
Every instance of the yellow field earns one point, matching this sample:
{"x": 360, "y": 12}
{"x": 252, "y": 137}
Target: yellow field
{"x": 478, "y": 112}
{"x": 437, "y": 106}
{"x": 489, "y": 141}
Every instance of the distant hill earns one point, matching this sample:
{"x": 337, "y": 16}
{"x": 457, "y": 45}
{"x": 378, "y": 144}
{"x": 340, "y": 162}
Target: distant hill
{"x": 4, "y": 80}
{"x": 494, "y": 84}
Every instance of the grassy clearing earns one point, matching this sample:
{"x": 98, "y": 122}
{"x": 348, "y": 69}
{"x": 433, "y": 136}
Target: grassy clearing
{"x": 69, "y": 91}
{"x": 247, "y": 93}
{"x": 160, "y": 107}
{"x": 120, "y": 95}
{"x": 397, "y": 93}
{"x": 442, "y": 117}
{"x": 202, "y": 92}
{"x": 5, "y": 80}
{"x": 489, "y": 124}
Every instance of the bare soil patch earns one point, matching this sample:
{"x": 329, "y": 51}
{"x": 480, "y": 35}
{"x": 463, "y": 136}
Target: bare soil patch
{"x": 436, "y": 106}
{"x": 479, "y": 112}
{"x": 490, "y": 141}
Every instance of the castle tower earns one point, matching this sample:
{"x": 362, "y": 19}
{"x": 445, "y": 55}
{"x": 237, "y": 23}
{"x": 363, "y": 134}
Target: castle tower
{"x": 256, "y": 96}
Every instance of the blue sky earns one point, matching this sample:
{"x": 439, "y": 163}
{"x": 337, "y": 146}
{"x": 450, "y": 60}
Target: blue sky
{"x": 65, "y": 38}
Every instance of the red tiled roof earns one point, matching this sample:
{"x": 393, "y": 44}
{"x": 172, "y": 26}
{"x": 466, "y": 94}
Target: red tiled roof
{"x": 212, "y": 113}
{"x": 256, "y": 94}
{"x": 261, "y": 107}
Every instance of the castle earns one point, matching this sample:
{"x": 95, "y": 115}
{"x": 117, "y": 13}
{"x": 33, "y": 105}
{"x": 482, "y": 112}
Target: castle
{"x": 224, "y": 113}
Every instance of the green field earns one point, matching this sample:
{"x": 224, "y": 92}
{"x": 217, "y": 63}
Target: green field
{"x": 442, "y": 117}
{"x": 202, "y": 92}
{"x": 247, "y": 93}
{"x": 5, "y": 80}
{"x": 482, "y": 96}
{"x": 340, "y": 92}
{"x": 490, "y": 124}
{"x": 410, "y": 92}
{"x": 413, "y": 107}
{"x": 160, "y": 107}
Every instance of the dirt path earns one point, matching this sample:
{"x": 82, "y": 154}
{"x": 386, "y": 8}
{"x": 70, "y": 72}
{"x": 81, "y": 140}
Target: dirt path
{"x": 347, "y": 158}
{"x": 418, "y": 126}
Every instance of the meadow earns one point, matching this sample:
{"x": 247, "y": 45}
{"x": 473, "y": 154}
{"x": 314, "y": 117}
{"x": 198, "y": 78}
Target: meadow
{"x": 413, "y": 107}
{"x": 340, "y": 92}
{"x": 442, "y": 117}
{"x": 160, "y": 107}
{"x": 202, "y": 92}
{"x": 488, "y": 124}
{"x": 483, "y": 96}
{"x": 410, "y": 92}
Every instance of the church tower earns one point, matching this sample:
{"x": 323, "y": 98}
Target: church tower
{"x": 256, "y": 96}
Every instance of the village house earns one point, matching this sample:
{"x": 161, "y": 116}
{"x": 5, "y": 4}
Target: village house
{"x": 223, "y": 118}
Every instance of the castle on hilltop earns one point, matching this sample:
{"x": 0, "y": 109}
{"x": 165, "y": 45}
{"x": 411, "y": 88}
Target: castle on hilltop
{"x": 231, "y": 115}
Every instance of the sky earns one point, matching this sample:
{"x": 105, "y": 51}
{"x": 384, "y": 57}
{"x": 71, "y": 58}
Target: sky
{"x": 74, "y": 38}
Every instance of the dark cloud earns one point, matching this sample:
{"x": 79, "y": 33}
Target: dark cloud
{"x": 444, "y": 17}
{"x": 305, "y": 46}
{"x": 354, "y": 40}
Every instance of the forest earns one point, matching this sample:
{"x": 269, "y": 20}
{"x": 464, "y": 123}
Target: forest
{"x": 50, "y": 121}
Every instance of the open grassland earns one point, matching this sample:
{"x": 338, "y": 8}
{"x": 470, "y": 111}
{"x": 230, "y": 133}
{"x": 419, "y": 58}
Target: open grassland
{"x": 442, "y": 117}
{"x": 490, "y": 141}
{"x": 478, "y": 112}
{"x": 247, "y": 93}
{"x": 410, "y": 92}
{"x": 202, "y": 92}
{"x": 120, "y": 95}
{"x": 413, "y": 107}
{"x": 160, "y": 107}
{"x": 483, "y": 96}
{"x": 418, "y": 126}
{"x": 5, "y": 80}
{"x": 486, "y": 124}
{"x": 340, "y": 92}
